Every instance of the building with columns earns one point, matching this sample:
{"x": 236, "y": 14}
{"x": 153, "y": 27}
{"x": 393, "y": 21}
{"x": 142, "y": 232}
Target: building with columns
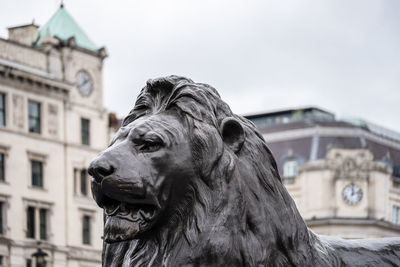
{"x": 52, "y": 124}
{"x": 344, "y": 175}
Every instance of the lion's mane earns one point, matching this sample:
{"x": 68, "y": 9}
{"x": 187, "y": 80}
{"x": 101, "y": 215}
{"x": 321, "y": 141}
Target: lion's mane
{"x": 236, "y": 212}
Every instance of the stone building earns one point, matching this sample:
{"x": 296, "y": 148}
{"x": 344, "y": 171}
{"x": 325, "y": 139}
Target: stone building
{"x": 52, "y": 124}
{"x": 344, "y": 175}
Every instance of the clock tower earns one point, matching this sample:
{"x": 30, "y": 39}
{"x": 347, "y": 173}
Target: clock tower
{"x": 351, "y": 178}
{"x": 346, "y": 190}
{"x": 52, "y": 124}
{"x": 81, "y": 59}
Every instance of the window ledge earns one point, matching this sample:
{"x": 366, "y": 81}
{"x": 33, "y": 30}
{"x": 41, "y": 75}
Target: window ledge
{"x": 37, "y": 188}
{"x": 85, "y": 200}
{"x": 35, "y": 134}
{"x": 82, "y": 196}
{"x": 42, "y": 242}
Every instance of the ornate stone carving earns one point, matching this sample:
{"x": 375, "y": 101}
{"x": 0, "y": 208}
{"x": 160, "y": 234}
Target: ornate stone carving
{"x": 18, "y": 111}
{"x": 80, "y": 254}
{"x": 185, "y": 182}
{"x": 52, "y": 115}
{"x": 353, "y": 164}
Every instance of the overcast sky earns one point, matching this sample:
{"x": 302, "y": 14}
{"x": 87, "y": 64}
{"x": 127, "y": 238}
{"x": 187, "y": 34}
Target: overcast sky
{"x": 341, "y": 55}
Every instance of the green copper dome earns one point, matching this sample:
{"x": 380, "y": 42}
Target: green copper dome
{"x": 63, "y": 26}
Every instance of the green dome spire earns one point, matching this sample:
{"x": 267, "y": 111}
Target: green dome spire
{"x": 63, "y": 26}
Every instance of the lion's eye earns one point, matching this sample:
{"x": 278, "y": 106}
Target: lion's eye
{"x": 150, "y": 146}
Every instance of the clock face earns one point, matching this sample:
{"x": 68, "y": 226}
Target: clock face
{"x": 84, "y": 83}
{"x": 352, "y": 194}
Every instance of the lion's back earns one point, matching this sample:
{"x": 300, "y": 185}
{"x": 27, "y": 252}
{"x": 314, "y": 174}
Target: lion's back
{"x": 365, "y": 252}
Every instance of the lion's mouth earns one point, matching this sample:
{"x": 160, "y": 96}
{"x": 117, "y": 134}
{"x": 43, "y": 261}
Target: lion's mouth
{"x": 131, "y": 212}
{"x": 125, "y": 221}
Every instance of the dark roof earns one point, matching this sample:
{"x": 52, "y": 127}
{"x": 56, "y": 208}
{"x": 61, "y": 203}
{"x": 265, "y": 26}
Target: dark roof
{"x": 286, "y": 111}
{"x": 301, "y": 147}
{"x": 313, "y": 146}
{"x": 303, "y": 124}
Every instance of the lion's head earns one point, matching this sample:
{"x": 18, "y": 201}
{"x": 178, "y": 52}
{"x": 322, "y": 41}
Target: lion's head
{"x": 186, "y": 181}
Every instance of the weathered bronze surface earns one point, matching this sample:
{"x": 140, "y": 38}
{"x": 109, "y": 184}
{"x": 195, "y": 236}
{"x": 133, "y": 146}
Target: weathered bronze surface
{"x": 185, "y": 182}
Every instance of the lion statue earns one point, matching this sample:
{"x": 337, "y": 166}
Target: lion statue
{"x": 185, "y": 182}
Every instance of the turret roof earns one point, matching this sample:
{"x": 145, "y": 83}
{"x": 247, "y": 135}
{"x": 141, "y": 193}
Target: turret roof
{"x": 63, "y": 26}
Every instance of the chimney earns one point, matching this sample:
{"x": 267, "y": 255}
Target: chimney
{"x": 24, "y": 34}
{"x": 113, "y": 121}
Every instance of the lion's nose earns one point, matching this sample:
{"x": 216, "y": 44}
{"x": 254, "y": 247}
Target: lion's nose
{"x": 100, "y": 168}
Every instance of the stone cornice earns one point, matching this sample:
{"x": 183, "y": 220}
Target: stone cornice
{"x": 346, "y": 165}
{"x": 28, "y": 80}
{"x": 33, "y": 48}
{"x": 87, "y": 254}
{"x": 52, "y": 140}
{"x": 351, "y": 221}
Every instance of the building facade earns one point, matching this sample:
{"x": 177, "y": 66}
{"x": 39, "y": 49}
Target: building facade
{"x": 344, "y": 175}
{"x": 52, "y": 124}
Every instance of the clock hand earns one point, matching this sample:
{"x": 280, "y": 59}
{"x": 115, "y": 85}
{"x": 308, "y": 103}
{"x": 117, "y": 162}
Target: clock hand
{"x": 85, "y": 82}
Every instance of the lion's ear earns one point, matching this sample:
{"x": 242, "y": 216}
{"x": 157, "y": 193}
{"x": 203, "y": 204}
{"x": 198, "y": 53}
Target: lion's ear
{"x": 232, "y": 133}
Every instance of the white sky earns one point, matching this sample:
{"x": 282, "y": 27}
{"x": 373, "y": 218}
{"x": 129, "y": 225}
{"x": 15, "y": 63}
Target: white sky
{"x": 341, "y": 55}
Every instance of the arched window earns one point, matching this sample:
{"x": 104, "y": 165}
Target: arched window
{"x": 290, "y": 168}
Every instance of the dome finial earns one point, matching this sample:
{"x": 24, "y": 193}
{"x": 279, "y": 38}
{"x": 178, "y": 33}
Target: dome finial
{"x": 62, "y": 4}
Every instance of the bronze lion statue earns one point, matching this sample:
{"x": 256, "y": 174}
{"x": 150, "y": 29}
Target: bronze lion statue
{"x": 185, "y": 182}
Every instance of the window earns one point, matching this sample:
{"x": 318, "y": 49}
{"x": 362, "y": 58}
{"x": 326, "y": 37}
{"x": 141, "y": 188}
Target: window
{"x": 86, "y": 230}
{"x": 83, "y": 182}
{"x": 34, "y": 116}
{"x": 2, "y": 168}
{"x": 31, "y": 223}
{"x": 290, "y": 168}
{"x": 85, "y": 132}
{"x": 3, "y": 215}
{"x": 396, "y": 171}
{"x": 37, "y": 173}
{"x": 28, "y": 263}
{"x": 395, "y": 214}
{"x": 2, "y": 109}
{"x": 43, "y": 224}
{"x": 1, "y": 219}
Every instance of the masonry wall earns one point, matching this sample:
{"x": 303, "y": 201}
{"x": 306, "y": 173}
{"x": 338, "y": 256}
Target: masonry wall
{"x": 49, "y": 78}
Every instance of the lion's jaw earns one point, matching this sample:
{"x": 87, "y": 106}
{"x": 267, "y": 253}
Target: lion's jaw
{"x": 126, "y": 222}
